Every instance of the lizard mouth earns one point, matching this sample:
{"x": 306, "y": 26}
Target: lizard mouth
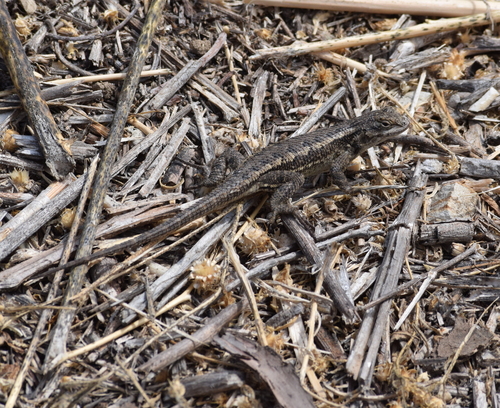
{"x": 403, "y": 127}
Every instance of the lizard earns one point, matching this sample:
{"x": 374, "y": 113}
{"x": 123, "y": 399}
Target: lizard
{"x": 280, "y": 168}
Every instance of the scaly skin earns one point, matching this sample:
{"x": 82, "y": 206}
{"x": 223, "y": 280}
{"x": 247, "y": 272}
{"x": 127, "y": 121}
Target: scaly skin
{"x": 281, "y": 168}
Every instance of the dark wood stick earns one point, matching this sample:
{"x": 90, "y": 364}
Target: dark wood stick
{"x": 62, "y": 328}
{"x": 58, "y": 160}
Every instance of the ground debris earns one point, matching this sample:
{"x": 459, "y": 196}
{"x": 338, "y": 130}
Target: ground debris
{"x": 407, "y": 305}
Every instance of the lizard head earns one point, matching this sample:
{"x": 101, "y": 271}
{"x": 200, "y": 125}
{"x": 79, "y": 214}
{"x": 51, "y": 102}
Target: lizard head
{"x": 384, "y": 123}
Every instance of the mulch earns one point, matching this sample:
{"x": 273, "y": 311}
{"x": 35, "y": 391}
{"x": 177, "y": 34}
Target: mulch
{"x": 392, "y": 300}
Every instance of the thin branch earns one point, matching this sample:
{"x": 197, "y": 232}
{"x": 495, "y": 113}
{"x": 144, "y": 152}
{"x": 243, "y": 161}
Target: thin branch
{"x": 430, "y": 27}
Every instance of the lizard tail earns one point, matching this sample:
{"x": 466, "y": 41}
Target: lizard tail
{"x": 206, "y": 205}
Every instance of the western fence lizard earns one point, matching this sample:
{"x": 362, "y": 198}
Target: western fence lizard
{"x": 281, "y": 168}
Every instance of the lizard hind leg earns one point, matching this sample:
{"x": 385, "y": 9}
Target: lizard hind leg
{"x": 283, "y": 184}
{"x": 229, "y": 160}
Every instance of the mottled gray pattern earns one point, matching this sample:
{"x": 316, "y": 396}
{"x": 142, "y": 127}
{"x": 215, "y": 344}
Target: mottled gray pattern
{"x": 281, "y": 168}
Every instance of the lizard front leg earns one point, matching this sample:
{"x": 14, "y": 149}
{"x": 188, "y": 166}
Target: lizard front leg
{"x": 337, "y": 171}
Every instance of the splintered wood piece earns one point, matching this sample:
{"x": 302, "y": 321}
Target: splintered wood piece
{"x": 219, "y": 93}
{"x": 35, "y": 42}
{"x": 285, "y": 316}
{"x": 332, "y": 284}
{"x": 419, "y": 60}
{"x": 15, "y": 275}
{"x": 279, "y": 376}
{"x": 375, "y": 320}
{"x": 55, "y": 92}
{"x": 337, "y": 286}
{"x": 479, "y": 393}
{"x": 109, "y": 77}
{"x": 116, "y": 208}
{"x": 34, "y": 216}
{"x": 197, "y": 339}
{"x": 56, "y": 154}
{"x": 136, "y": 178}
{"x": 409, "y": 46}
{"x": 174, "y": 84}
{"x": 325, "y": 107}
{"x": 14, "y": 199}
{"x": 467, "y": 85}
{"x": 259, "y": 93}
{"x": 165, "y": 157}
{"x": 330, "y": 342}
{"x": 446, "y": 233}
{"x": 304, "y": 239}
{"x": 172, "y": 178}
{"x": 147, "y": 142}
{"x": 13, "y": 161}
{"x": 229, "y": 114}
{"x": 207, "y": 144}
{"x": 479, "y": 168}
{"x": 212, "y": 383}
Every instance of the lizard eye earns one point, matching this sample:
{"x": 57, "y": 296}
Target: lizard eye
{"x": 385, "y": 123}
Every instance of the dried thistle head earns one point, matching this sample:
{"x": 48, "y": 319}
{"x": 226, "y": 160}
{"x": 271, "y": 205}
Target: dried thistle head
{"x": 199, "y": 46}
{"x": 320, "y": 362}
{"x": 409, "y": 384}
{"x": 8, "y": 142}
{"x": 324, "y": 75}
{"x": 67, "y": 217}
{"x": 110, "y": 16}
{"x": 247, "y": 399}
{"x": 383, "y": 372}
{"x": 301, "y": 35}
{"x": 68, "y": 29}
{"x": 331, "y": 209}
{"x": 264, "y": 33}
{"x": 454, "y": 68}
{"x": 274, "y": 339}
{"x": 21, "y": 255}
{"x": 284, "y": 275}
{"x": 254, "y": 241}
{"x": 23, "y": 26}
{"x": 176, "y": 390}
{"x": 387, "y": 178}
{"x": 205, "y": 274}
{"x": 452, "y": 166}
{"x": 20, "y": 179}
{"x": 311, "y": 208}
{"x": 71, "y": 50}
{"x": 226, "y": 299}
{"x": 362, "y": 202}
{"x": 385, "y": 24}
